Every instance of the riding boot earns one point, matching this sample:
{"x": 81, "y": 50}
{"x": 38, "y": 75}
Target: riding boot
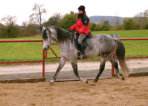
{"x": 81, "y": 52}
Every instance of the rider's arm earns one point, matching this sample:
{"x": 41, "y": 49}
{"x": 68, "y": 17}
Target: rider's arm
{"x": 73, "y": 27}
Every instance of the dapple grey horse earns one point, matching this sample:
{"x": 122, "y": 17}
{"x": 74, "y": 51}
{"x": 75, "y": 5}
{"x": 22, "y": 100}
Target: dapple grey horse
{"x": 99, "y": 45}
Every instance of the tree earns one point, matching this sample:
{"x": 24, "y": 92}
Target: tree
{"x": 146, "y": 13}
{"x": 11, "y": 29}
{"x": 1, "y": 26}
{"x": 9, "y": 20}
{"x": 146, "y": 19}
{"x": 98, "y": 27}
{"x": 37, "y": 16}
{"x": 106, "y": 26}
{"x": 142, "y": 19}
{"x": 129, "y": 24}
{"x": 68, "y": 20}
{"x": 53, "y": 20}
{"x": 92, "y": 26}
{"x": 28, "y": 29}
{"x": 2, "y": 31}
{"x": 119, "y": 27}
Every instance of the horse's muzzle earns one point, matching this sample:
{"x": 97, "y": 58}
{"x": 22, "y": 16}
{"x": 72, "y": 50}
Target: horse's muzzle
{"x": 46, "y": 48}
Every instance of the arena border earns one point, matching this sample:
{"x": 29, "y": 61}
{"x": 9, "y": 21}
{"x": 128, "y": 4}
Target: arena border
{"x": 31, "y": 80}
{"x": 44, "y": 53}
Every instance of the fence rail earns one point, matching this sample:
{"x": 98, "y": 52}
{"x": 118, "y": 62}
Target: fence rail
{"x": 44, "y": 53}
{"x": 133, "y": 38}
{"x": 6, "y": 41}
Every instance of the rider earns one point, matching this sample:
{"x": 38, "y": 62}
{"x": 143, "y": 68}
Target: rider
{"x": 82, "y": 28}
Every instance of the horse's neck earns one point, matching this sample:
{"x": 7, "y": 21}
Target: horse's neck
{"x": 68, "y": 45}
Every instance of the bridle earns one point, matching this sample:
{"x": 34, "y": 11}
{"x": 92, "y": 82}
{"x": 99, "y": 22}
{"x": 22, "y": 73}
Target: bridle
{"x": 49, "y": 33}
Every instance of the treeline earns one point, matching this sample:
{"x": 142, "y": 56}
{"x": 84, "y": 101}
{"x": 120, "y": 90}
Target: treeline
{"x": 12, "y": 30}
{"x": 139, "y": 22}
{"x": 9, "y": 28}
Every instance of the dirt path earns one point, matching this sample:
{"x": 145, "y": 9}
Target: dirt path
{"x": 51, "y": 67}
{"x": 107, "y": 92}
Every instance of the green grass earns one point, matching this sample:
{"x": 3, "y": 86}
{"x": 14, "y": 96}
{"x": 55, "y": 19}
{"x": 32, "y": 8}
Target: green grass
{"x": 20, "y": 51}
{"x": 126, "y": 33}
{"x": 33, "y": 50}
{"x": 25, "y": 51}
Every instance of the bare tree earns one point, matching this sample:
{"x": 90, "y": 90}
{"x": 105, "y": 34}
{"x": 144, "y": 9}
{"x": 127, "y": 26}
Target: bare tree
{"x": 24, "y": 23}
{"x": 146, "y": 13}
{"x": 11, "y": 27}
{"x": 9, "y": 20}
{"x": 142, "y": 19}
{"x": 36, "y": 17}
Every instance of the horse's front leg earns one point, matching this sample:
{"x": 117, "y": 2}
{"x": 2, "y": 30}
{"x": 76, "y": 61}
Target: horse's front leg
{"x": 75, "y": 69}
{"x": 61, "y": 64}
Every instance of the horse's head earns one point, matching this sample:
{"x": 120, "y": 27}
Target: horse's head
{"x": 48, "y": 36}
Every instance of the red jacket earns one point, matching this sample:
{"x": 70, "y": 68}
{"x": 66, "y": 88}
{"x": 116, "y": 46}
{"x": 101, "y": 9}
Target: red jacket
{"x": 81, "y": 25}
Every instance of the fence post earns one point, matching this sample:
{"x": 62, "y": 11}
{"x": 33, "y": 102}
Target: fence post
{"x": 113, "y": 69}
{"x": 43, "y": 65}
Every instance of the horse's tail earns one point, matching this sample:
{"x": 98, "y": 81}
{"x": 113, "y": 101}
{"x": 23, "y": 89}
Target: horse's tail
{"x": 120, "y": 53}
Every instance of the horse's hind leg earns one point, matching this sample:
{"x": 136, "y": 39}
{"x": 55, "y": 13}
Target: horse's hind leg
{"x": 75, "y": 69}
{"x": 61, "y": 64}
{"x": 102, "y": 66}
{"x": 115, "y": 64}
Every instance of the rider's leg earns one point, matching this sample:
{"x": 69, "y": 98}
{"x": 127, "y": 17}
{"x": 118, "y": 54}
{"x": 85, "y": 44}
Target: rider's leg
{"x": 81, "y": 48}
{"x": 81, "y": 38}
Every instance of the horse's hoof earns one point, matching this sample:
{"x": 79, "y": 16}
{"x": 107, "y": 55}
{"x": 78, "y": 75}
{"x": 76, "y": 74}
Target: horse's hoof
{"x": 123, "y": 78}
{"x": 51, "y": 82}
{"x": 86, "y": 81}
{"x": 93, "y": 84}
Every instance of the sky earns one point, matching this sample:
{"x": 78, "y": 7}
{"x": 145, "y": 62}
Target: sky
{"x": 23, "y": 8}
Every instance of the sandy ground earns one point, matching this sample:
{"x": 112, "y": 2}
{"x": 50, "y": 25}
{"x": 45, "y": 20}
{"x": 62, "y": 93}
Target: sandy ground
{"x": 107, "y": 92}
{"x": 51, "y": 67}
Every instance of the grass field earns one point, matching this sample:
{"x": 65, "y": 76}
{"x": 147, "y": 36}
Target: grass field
{"x": 33, "y": 50}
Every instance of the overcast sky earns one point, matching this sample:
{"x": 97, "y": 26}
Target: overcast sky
{"x": 23, "y": 8}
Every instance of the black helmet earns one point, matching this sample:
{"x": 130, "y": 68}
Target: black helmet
{"x": 82, "y": 8}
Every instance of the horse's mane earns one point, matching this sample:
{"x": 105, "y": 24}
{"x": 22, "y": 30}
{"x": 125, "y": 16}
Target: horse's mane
{"x": 62, "y": 34}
